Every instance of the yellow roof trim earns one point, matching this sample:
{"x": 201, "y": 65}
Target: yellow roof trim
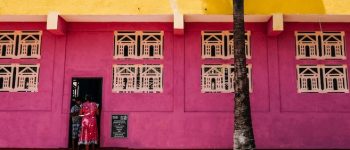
{"x": 85, "y": 7}
{"x": 163, "y": 7}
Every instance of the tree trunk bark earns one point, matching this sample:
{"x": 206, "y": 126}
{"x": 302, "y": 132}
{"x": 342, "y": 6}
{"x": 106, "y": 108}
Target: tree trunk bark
{"x": 243, "y": 130}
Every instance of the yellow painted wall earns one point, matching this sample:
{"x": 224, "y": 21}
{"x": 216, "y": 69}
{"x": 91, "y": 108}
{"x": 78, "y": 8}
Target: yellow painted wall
{"x": 84, "y": 7}
{"x": 147, "y": 7}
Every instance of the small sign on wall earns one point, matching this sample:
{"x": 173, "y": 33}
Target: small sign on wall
{"x": 119, "y": 126}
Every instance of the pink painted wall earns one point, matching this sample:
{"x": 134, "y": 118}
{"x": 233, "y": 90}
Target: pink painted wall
{"x": 181, "y": 116}
{"x": 35, "y": 119}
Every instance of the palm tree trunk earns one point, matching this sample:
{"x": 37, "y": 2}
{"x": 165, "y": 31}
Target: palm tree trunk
{"x": 243, "y": 130}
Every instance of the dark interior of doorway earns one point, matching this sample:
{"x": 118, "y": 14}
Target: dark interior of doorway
{"x": 81, "y": 87}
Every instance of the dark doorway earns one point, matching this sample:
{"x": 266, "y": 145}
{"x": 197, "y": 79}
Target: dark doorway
{"x": 81, "y": 87}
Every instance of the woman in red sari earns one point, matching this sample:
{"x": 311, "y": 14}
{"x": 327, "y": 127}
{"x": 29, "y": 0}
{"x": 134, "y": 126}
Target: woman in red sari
{"x": 88, "y": 133}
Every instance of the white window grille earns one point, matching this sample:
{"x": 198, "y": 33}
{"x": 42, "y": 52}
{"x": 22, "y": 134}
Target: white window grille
{"x": 125, "y": 44}
{"x": 7, "y": 44}
{"x": 20, "y": 44}
{"x": 213, "y": 78}
{"x": 320, "y": 45}
{"x": 309, "y": 78}
{"x": 333, "y": 45}
{"x": 307, "y": 45}
{"x": 151, "y": 78}
{"x": 6, "y": 77}
{"x": 124, "y": 78}
{"x": 220, "y": 78}
{"x": 152, "y": 45}
{"x": 29, "y": 44}
{"x": 213, "y": 45}
{"x": 220, "y": 44}
{"x": 138, "y": 78}
{"x": 138, "y": 45}
{"x": 27, "y": 78}
{"x": 335, "y": 78}
{"x": 322, "y": 78}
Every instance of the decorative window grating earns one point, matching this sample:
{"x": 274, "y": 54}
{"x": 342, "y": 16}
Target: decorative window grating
{"x": 27, "y": 78}
{"x": 138, "y": 78}
{"x": 151, "y": 78}
{"x": 125, "y": 45}
{"x": 322, "y": 78}
{"x": 333, "y": 45}
{"x": 20, "y": 44}
{"x": 307, "y": 45}
{"x": 6, "y": 74}
{"x": 19, "y": 78}
{"x": 335, "y": 78}
{"x": 124, "y": 78}
{"x": 220, "y": 44}
{"x": 213, "y": 78}
{"x": 152, "y": 45}
{"x": 7, "y": 44}
{"x": 220, "y": 78}
{"x": 138, "y": 45}
{"x": 29, "y": 44}
{"x": 309, "y": 79}
{"x": 320, "y": 45}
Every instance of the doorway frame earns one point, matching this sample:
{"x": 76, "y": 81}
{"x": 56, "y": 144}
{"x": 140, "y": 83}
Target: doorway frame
{"x": 101, "y": 102}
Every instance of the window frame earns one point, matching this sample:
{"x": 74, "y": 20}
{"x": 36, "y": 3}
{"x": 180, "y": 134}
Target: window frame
{"x": 139, "y": 44}
{"x": 225, "y": 45}
{"x": 320, "y": 45}
{"x": 19, "y": 41}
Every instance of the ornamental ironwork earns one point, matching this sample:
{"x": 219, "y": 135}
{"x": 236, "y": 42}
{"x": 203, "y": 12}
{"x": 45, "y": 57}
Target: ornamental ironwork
{"x": 220, "y": 44}
{"x": 138, "y": 78}
{"x": 20, "y": 44}
{"x": 138, "y": 45}
{"x": 320, "y": 45}
{"x": 322, "y": 78}
{"x": 219, "y": 78}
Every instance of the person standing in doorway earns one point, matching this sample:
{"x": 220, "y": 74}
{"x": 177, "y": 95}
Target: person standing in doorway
{"x": 88, "y": 133}
{"x": 76, "y": 122}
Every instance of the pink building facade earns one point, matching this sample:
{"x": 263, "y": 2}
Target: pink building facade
{"x": 181, "y": 116}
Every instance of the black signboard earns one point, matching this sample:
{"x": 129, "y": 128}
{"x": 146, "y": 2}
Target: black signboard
{"x": 119, "y": 126}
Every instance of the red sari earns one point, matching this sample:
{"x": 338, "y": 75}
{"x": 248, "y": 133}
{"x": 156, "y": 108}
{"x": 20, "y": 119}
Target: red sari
{"x": 88, "y": 133}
